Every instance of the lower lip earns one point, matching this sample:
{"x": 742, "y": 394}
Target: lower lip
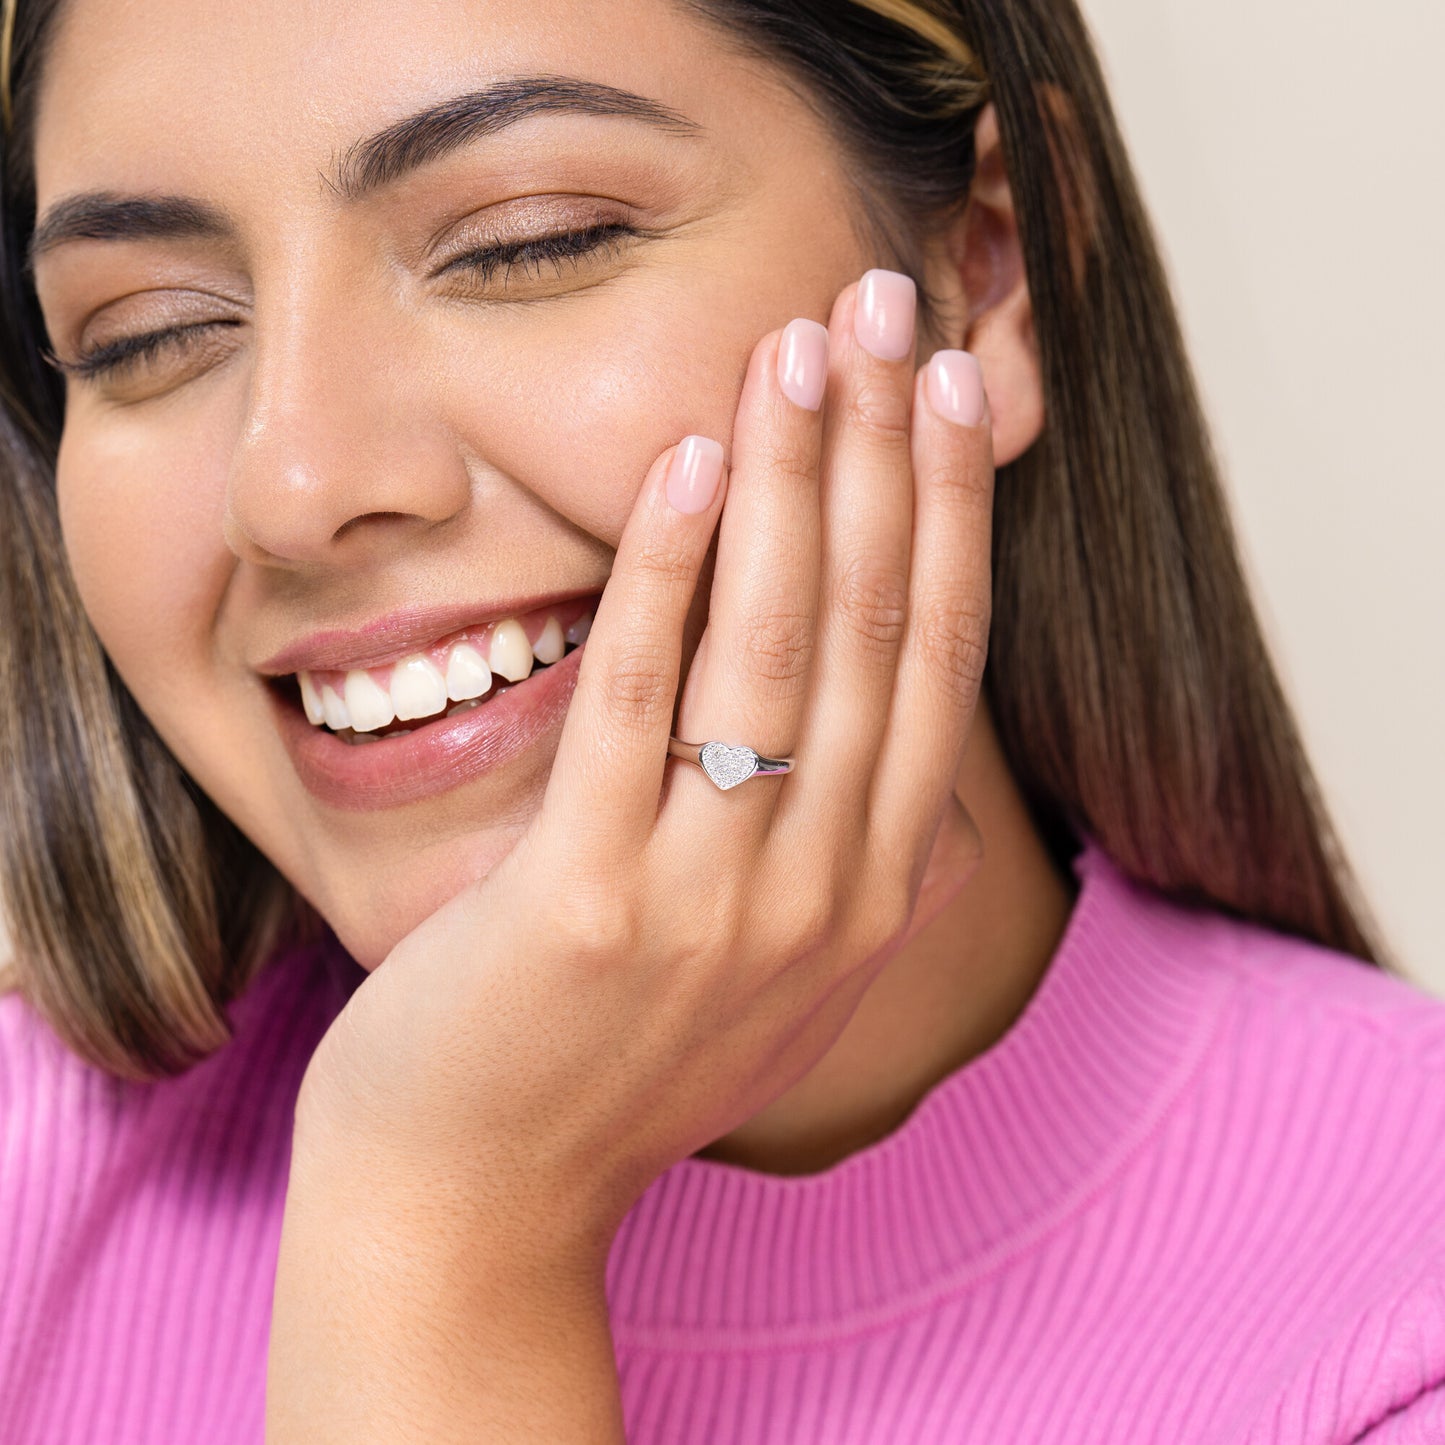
{"x": 435, "y": 756}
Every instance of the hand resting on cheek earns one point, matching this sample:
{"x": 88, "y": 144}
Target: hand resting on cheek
{"x": 657, "y": 959}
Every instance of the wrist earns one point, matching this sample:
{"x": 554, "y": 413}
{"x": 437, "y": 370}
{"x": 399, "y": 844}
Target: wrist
{"x": 399, "y": 1318}
{"x": 438, "y": 1225}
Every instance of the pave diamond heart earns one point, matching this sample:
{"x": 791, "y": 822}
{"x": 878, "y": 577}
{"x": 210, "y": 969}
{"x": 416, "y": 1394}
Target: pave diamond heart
{"x": 727, "y": 766}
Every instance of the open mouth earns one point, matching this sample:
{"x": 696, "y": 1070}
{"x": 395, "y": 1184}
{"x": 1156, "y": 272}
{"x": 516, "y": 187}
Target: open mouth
{"x": 453, "y": 675}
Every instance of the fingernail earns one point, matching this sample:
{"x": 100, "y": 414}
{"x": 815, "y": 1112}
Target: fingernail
{"x": 883, "y": 315}
{"x": 803, "y": 362}
{"x": 694, "y": 473}
{"x": 955, "y": 387}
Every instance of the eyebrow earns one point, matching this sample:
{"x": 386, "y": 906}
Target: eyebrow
{"x": 368, "y": 164}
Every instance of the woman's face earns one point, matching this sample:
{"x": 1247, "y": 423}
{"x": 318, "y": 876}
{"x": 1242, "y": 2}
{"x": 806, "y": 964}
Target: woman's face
{"x": 355, "y": 429}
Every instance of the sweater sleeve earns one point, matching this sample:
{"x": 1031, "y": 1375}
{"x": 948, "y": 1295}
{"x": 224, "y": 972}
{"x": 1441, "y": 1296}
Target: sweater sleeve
{"x": 1421, "y": 1422}
{"x": 1395, "y": 1363}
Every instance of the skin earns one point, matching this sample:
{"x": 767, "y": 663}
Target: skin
{"x": 475, "y": 446}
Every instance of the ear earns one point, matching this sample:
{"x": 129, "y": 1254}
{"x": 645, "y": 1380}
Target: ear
{"x": 983, "y": 294}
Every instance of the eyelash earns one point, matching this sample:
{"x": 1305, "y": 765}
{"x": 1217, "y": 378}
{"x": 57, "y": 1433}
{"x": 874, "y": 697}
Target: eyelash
{"x": 483, "y": 263}
{"x": 557, "y": 248}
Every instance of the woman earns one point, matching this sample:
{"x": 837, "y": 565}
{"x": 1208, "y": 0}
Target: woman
{"x": 426, "y": 429}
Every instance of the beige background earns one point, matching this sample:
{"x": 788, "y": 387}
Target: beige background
{"x": 1292, "y": 152}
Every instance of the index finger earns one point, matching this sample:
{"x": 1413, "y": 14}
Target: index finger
{"x": 608, "y": 774}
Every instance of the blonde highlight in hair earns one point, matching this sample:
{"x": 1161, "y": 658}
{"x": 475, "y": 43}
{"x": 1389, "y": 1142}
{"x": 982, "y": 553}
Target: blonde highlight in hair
{"x": 931, "y": 28}
{"x": 948, "y": 71}
{"x": 7, "y": 40}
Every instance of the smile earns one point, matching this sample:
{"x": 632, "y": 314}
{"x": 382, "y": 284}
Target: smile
{"x": 450, "y": 676}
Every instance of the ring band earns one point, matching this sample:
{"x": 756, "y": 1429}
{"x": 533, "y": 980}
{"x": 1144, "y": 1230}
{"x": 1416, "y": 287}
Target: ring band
{"x": 726, "y": 765}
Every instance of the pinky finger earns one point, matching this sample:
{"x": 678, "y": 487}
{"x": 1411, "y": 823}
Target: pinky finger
{"x": 945, "y": 640}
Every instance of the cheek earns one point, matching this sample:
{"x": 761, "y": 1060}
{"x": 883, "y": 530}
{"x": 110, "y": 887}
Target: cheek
{"x": 141, "y": 526}
{"x": 578, "y": 408}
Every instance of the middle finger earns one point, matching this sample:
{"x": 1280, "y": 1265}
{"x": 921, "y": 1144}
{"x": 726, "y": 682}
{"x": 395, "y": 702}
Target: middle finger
{"x": 867, "y": 524}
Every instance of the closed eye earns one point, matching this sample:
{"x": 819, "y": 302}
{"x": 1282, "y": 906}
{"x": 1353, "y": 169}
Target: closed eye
{"x": 557, "y": 249}
{"x": 133, "y": 353}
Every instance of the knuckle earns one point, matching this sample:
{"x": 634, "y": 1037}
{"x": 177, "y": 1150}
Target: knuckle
{"x": 785, "y": 465}
{"x": 873, "y": 598}
{"x": 960, "y": 475}
{"x": 780, "y": 646}
{"x": 638, "y": 687}
{"x": 880, "y": 412}
{"x": 718, "y": 928}
{"x": 600, "y": 921}
{"x": 814, "y": 924}
{"x": 661, "y": 566}
{"x": 789, "y": 922}
{"x": 819, "y": 910}
{"x": 809, "y": 934}
{"x": 954, "y": 644}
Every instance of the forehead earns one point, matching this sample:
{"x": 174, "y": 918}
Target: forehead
{"x": 170, "y": 92}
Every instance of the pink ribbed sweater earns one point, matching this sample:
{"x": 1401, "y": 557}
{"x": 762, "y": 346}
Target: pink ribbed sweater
{"x": 1195, "y": 1194}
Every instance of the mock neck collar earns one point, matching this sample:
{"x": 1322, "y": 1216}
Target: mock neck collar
{"x": 989, "y": 1159}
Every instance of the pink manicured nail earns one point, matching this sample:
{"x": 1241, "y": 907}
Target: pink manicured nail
{"x": 803, "y": 362}
{"x": 694, "y": 473}
{"x": 955, "y": 387}
{"x": 883, "y": 315}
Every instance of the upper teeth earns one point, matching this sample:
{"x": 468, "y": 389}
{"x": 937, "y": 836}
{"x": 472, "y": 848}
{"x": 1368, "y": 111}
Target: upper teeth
{"x": 419, "y": 688}
{"x": 511, "y": 654}
{"x": 468, "y": 674}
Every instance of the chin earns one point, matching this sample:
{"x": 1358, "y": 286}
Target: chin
{"x": 372, "y": 910}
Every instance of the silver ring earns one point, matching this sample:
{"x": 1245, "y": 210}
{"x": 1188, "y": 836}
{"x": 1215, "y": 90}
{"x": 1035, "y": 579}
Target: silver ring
{"x": 728, "y": 765}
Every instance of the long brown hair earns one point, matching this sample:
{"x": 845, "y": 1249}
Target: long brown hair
{"x": 1133, "y": 692}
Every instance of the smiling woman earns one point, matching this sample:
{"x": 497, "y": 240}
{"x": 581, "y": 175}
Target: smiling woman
{"x": 428, "y": 432}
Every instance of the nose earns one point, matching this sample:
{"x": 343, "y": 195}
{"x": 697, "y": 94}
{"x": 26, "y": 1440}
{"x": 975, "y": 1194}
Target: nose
{"x": 339, "y": 456}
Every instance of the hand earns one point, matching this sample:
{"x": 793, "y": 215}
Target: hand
{"x": 655, "y": 961}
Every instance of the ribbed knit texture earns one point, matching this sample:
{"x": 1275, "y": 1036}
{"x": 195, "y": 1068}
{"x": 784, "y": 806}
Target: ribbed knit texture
{"x": 1196, "y": 1193}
